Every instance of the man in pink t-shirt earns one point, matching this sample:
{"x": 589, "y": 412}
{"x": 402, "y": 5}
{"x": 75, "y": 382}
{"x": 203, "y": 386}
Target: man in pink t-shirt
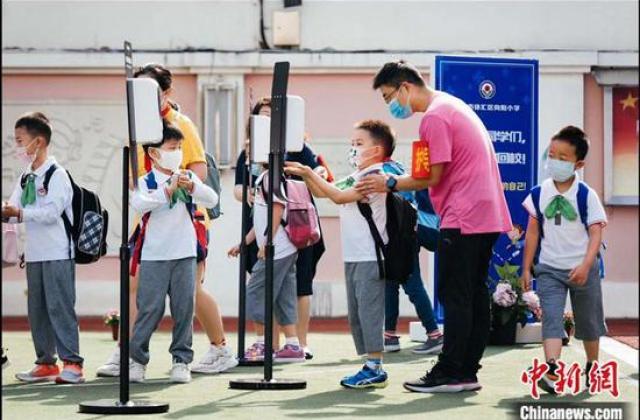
{"x": 466, "y": 191}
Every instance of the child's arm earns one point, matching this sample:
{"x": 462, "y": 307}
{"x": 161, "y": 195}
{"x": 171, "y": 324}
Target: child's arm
{"x": 580, "y": 274}
{"x": 60, "y": 194}
{"x": 530, "y": 246}
{"x": 235, "y": 250}
{"x": 11, "y": 208}
{"x": 200, "y": 192}
{"x": 328, "y": 190}
{"x": 144, "y": 201}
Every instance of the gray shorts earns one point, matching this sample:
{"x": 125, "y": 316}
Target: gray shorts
{"x": 285, "y": 300}
{"x": 586, "y": 301}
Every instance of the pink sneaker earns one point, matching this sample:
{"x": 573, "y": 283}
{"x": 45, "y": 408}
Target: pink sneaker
{"x": 290, "y": 354}
{"x": 255, "y": 352}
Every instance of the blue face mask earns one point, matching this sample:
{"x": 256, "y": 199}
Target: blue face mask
{"x": 256, "y": 169}
{"x": 560, "y": 170}
{"x": 399, "y": 111}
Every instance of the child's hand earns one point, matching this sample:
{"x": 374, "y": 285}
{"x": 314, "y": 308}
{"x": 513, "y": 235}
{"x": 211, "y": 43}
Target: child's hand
{"x": 525, "y": 280}
{"x": 261, "y": 253}
{"x": 173, "y": 184}
{"x": 185, "y": 182}
{"x": 296, "y": 169}
{"x": 579, "y": 275}
{"x": 234, "y": 251}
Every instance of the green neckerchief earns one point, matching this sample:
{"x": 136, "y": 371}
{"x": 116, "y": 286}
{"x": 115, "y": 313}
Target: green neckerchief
{"x": 560, "y": 205}
{"x": 29, "y": 190}
{"x": 180, "y": 194}
{"x": 345, "y": 183}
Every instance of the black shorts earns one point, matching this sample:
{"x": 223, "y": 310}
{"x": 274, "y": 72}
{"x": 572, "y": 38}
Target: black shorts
{"x": 305, "y": 271}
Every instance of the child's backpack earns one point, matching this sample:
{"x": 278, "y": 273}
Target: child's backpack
{"x": 213, "y": 180}
{"x": 301, "y": 222}
{"x": 88, "y": 232}
{"x": 583, "y": 211}
{"x": 136, "y": 241}
{"x": 399, "y": 252}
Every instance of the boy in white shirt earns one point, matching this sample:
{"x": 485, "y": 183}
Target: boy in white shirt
{"x": 372, "y": 144}
{"x": 49, "y": 253}
{"x": 566, "y": 222}
{"x": 166, "y": 248}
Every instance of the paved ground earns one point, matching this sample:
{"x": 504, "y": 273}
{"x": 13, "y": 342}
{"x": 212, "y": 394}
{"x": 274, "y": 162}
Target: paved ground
{"x": 209, "y": 397}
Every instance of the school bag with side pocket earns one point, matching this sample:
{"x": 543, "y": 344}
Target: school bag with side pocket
{"x": 301, "y": 223}
{"x": 213, "y": 180}
{"x": 88, "y": 232}
{"x": 583, "y": 211}
{"x": 399, "y": 252}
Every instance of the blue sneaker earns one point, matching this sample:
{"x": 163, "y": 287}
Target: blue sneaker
{"x": 366, "y": 378}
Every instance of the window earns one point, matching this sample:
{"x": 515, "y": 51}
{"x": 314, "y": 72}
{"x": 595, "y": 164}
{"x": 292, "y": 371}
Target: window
{"x": 621, "y": 144}
{"x": 220, "y": 122}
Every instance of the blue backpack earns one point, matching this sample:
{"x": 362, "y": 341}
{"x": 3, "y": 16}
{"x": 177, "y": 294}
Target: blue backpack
{"x": 428, "y": 220}
{"x": 583, "y": 211}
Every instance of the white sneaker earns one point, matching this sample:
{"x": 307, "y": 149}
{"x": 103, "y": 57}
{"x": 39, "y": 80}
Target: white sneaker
{"x": 180, "y": 373}
{"x": 216, "y": 360}
{"x": 136, "y": 371}
{"x": 112, "y": 367}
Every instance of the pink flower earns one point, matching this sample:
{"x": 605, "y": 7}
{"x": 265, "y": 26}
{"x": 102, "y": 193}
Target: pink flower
{"x": 504, "y": 295}
{"x": 531, "y": 299}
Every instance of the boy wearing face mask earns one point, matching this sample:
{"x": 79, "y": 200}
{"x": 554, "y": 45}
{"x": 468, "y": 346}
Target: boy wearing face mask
{"x": 166, "y": 199}
{"x": 569, "y": 243}
{"x": 48, "y": 253}
{"x": 372, "y": 144}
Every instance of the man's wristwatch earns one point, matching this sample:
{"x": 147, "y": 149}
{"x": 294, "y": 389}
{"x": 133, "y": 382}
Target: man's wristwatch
{"x": 391, "y": 184}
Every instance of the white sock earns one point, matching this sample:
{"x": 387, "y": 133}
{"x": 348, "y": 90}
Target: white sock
{"x": 374, "y": 364}
{"x": 293, "y": 341}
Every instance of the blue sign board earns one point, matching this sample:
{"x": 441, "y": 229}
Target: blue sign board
{"x": 504, "y": 94}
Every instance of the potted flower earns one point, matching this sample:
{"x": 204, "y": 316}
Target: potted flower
{"x": 569, "y": 327}
{"x": 510, "y": 305}
{"x": 112, "y": 319}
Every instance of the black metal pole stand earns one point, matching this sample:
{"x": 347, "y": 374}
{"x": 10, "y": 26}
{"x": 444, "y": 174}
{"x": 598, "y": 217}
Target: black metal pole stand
{"x": 242, "y": 286}
{"x": 124, "y": 405}
{"x": 278, "y": 136}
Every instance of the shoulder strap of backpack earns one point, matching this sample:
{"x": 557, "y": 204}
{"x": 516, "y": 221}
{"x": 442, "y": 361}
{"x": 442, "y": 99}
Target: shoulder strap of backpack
{"x": 48, "y": 175}
{"x": 535, "y": 198}
{"x": 583, "y": 207}
{"x": 365, "y": 211}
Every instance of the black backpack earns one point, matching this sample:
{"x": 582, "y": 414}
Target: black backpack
{"x": 399, "y": 252}
{"x": 213, "y": 180}
{"x": 88, "y": 233}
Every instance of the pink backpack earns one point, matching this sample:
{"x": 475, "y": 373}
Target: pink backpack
{"x": 302, "y": 224}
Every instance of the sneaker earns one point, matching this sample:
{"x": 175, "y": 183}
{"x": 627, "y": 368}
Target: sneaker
{"x": 431, "y": 346}
{"x": 136, "y": 371}
{"x": 470, "y": 383}
{"x": 366, "y": 378}
{"x": 111, "y": 369}
{"x": 71, "y": 374}
{"x": 587, "y": 369}
{"x": 255, "y": 353}
{"x": 434, "y": 381}
{"x": 39, "y": 373}
{"x": 216, "y": 360}
{"x": 391, "y": 343}
{"x": 308, "y": 354}
{"x": 290, "y": 354}
{"x": 5, "y": 360}
{"x": 180, "y": 373}
{"x": 548, "y": 380}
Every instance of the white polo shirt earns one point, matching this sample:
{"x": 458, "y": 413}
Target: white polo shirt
{"x": 46, "y": 237}
{"x": 564, "y": 246}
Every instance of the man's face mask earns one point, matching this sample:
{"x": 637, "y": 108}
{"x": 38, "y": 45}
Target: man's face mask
{"x": 398, "y": 110}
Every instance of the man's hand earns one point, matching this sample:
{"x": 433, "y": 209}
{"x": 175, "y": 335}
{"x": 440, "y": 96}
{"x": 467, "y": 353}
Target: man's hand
{"x": 261, "y": 253}
{"x": 580, "y": 274}
{"x": 525, "y": 280}
{"x": 234, "y": 251}
{"x": 10, "y": 211}
{"x": 296, "y": 169}
{"x": 374, "y": 183}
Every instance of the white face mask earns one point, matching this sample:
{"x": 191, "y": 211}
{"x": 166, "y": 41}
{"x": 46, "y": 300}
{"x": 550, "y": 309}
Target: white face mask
{"x": 23, "y": 156}
{"x": 170, "y": 159}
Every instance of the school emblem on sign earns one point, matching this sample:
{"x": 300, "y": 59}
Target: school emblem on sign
{"x": 487, "y": 89}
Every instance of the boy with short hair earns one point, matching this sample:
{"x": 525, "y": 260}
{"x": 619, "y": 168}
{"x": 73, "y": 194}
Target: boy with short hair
{"x": 166, "y": 198}
{"x": 372, "y": 144}
{"x": 569, "y": 243}
{"x": 49, "y": 253}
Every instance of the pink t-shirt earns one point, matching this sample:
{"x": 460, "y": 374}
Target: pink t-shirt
{"x": 469, "y": 195}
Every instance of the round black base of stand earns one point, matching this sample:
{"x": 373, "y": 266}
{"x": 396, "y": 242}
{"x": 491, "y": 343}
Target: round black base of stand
{"x": 247, "y": 362}
{"x": 261, "y": 384}
{"x": 115, "y": 407}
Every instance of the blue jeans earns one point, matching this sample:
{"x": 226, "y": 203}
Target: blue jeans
{"x": 414, "y": 288}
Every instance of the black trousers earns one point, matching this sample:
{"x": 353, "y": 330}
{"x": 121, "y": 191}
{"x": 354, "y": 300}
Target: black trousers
{"x": 463, "y": 268}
